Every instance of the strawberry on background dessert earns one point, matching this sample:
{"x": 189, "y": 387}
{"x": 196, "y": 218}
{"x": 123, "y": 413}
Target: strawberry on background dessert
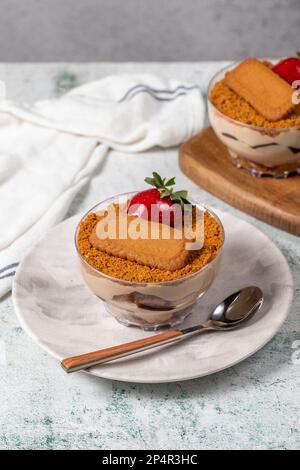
{"x": 253, "y": 112}
{"x": 289, "y": 69}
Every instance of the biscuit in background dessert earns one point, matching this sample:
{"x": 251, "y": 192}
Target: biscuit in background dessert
{"x": 266, "y": 91}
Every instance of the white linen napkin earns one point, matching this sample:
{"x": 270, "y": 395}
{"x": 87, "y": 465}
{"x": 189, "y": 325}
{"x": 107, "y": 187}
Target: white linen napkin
{"x": 49, "y": 150}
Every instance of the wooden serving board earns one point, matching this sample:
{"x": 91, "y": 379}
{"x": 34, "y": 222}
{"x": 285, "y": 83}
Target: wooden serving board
{"x": 205, "y": 160}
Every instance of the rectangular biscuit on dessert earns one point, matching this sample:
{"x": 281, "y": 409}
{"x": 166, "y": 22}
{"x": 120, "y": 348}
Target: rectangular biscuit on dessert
{"x": 169, "y": 255}
{"x": 266, "y": 91}
{"x": 164, "y": 253}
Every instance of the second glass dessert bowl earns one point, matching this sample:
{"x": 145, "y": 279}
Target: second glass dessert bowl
{"x": 273, "y": 151}
{"x": 148, "y": 305}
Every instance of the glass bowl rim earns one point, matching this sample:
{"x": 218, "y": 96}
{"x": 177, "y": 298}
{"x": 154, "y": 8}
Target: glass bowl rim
{"x": 141, "y": 283}
{"x": 239, "y": 123}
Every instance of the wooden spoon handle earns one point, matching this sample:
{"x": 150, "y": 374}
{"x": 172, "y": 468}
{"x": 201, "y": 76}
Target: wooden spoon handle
{"x": 75, "y": 363}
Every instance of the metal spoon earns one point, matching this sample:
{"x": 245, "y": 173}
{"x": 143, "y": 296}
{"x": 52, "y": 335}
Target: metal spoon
{"x": 229, "y": 314}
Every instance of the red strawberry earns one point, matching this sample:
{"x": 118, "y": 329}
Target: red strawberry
{"x": 289, "y": 69}
{"x": 160, "y": 204}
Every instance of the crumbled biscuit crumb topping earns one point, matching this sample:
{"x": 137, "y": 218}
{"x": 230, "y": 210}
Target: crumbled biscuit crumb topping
{"x": 237, "y": 108}
{"x": 132, "y": 271}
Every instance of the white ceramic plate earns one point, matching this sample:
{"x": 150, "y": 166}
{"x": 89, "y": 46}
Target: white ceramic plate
{"x": 60, "y": 313}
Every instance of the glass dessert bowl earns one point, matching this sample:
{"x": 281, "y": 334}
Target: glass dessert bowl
{"x": 136, "y": 299}
{"x": 266, "y": 149}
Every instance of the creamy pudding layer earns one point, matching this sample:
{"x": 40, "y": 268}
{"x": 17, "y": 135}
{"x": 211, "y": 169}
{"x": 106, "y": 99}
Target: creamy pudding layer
{"x": 156, "y": 303}
{"x": 267, "y": 148}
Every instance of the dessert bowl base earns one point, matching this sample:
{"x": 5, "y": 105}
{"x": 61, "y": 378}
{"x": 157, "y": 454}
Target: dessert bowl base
{"x": 175, "y": 318}
{"x": 257, "y": 170}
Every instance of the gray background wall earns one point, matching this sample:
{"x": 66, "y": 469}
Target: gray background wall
{"x": 141, "y": 30}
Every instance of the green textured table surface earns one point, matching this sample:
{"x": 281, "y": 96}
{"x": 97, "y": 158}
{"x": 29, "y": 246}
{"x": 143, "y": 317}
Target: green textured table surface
{"x": 253, "y": 405}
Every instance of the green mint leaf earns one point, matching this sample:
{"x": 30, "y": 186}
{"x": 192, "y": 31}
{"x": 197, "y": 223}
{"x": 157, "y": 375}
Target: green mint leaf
{"x": 158, "y": 179}
{"x": 170, "y": 182}
{"x": 154, "y": 182}
{"x": 180, "y": 197}
{"x": 150, "y": 181}
{"x": 298, "y": 54}
{"x": 175, "y": 198}
{"x": 185, "y": 201}
{"x": 166, "y": 188}
{"x": 181, "y": 194}
{"x": 166, "y": 193}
